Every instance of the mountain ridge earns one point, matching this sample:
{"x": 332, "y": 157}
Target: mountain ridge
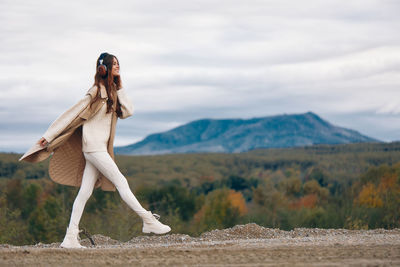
{"x": 240, "y": 135}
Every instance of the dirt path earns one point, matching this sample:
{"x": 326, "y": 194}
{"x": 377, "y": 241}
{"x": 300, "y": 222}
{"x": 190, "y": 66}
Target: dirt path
{"x": 245, "y": 245}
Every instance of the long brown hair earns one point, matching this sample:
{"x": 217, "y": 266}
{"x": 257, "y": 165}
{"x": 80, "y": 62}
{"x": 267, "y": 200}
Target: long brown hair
{"x": 109, "y": 81}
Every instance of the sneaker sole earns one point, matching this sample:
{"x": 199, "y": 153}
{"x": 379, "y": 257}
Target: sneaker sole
{"x": 157, "y": 233}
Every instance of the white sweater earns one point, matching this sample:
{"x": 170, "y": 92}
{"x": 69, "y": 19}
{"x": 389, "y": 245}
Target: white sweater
{"x": 96, "y": 130}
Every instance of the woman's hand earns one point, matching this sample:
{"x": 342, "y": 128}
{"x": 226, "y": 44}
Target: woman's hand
{"x": 42, "y": 142}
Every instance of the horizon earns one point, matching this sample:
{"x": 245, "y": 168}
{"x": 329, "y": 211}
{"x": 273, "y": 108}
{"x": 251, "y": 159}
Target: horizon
{"x": 252, "y": 118}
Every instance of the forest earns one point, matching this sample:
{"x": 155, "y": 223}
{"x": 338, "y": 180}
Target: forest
{"x": 352, "y": 186}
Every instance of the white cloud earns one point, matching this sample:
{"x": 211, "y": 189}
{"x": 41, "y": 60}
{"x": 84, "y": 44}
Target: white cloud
{"x": 185, "y": 60}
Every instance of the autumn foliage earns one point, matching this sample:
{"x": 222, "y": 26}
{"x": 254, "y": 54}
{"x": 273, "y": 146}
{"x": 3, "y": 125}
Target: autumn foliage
{"x": 308, "y": 201}
{"x": 353, "y": 186}
{"x": 370, "y": 196}
{"x": 237, "y": 201}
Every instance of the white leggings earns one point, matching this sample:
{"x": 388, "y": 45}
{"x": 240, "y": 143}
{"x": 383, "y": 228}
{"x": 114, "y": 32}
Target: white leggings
{"x": 97, "y": 162}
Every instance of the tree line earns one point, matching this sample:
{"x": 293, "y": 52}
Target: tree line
{"x": 348, "y": 186}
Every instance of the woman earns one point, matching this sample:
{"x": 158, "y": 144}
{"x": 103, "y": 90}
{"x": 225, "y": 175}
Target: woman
{"x": 82, "y": 142}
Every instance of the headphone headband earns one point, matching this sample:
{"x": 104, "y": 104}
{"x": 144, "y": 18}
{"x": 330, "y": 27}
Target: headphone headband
{"x": 102, "y": 56}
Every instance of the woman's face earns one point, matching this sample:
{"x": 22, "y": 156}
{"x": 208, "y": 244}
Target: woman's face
{"x": 115, "y": 67}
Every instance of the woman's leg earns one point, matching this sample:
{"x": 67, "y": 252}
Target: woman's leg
{"x": 106, "y": 165}
{"x": 90, "y": 175}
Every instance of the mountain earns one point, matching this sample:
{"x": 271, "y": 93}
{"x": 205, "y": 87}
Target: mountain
{"x": 239, "y": 135}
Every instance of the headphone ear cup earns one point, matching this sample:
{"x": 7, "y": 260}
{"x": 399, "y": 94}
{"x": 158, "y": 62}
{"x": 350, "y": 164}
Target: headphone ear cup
{"x": 102, "y": 69}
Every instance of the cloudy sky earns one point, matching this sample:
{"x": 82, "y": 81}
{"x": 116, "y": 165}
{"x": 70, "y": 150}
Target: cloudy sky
{"x": 183, "y": 60}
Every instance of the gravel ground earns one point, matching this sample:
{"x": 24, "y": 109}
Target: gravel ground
{"x": 242, "y": 245}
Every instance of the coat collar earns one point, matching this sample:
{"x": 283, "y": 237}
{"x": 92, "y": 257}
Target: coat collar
{"x": 93, "y": 91}
{"x": 103, "y": 92}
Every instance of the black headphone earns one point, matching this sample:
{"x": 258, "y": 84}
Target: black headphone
{"x": 102, "y": 69}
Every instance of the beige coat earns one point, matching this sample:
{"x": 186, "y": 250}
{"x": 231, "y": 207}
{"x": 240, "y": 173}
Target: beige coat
{"x": 67, "y": 162}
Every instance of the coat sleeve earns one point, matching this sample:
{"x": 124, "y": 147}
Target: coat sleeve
{"x": 68, "y": 116}
{"x": 126, "y": 104}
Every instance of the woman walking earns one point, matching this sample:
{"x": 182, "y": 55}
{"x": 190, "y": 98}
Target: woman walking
{"x": 81, "y": 140}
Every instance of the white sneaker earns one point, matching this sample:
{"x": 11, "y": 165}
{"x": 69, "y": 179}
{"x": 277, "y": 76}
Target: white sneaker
{"x": 71, "y": 239}
{"x": 152, "y": 225}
